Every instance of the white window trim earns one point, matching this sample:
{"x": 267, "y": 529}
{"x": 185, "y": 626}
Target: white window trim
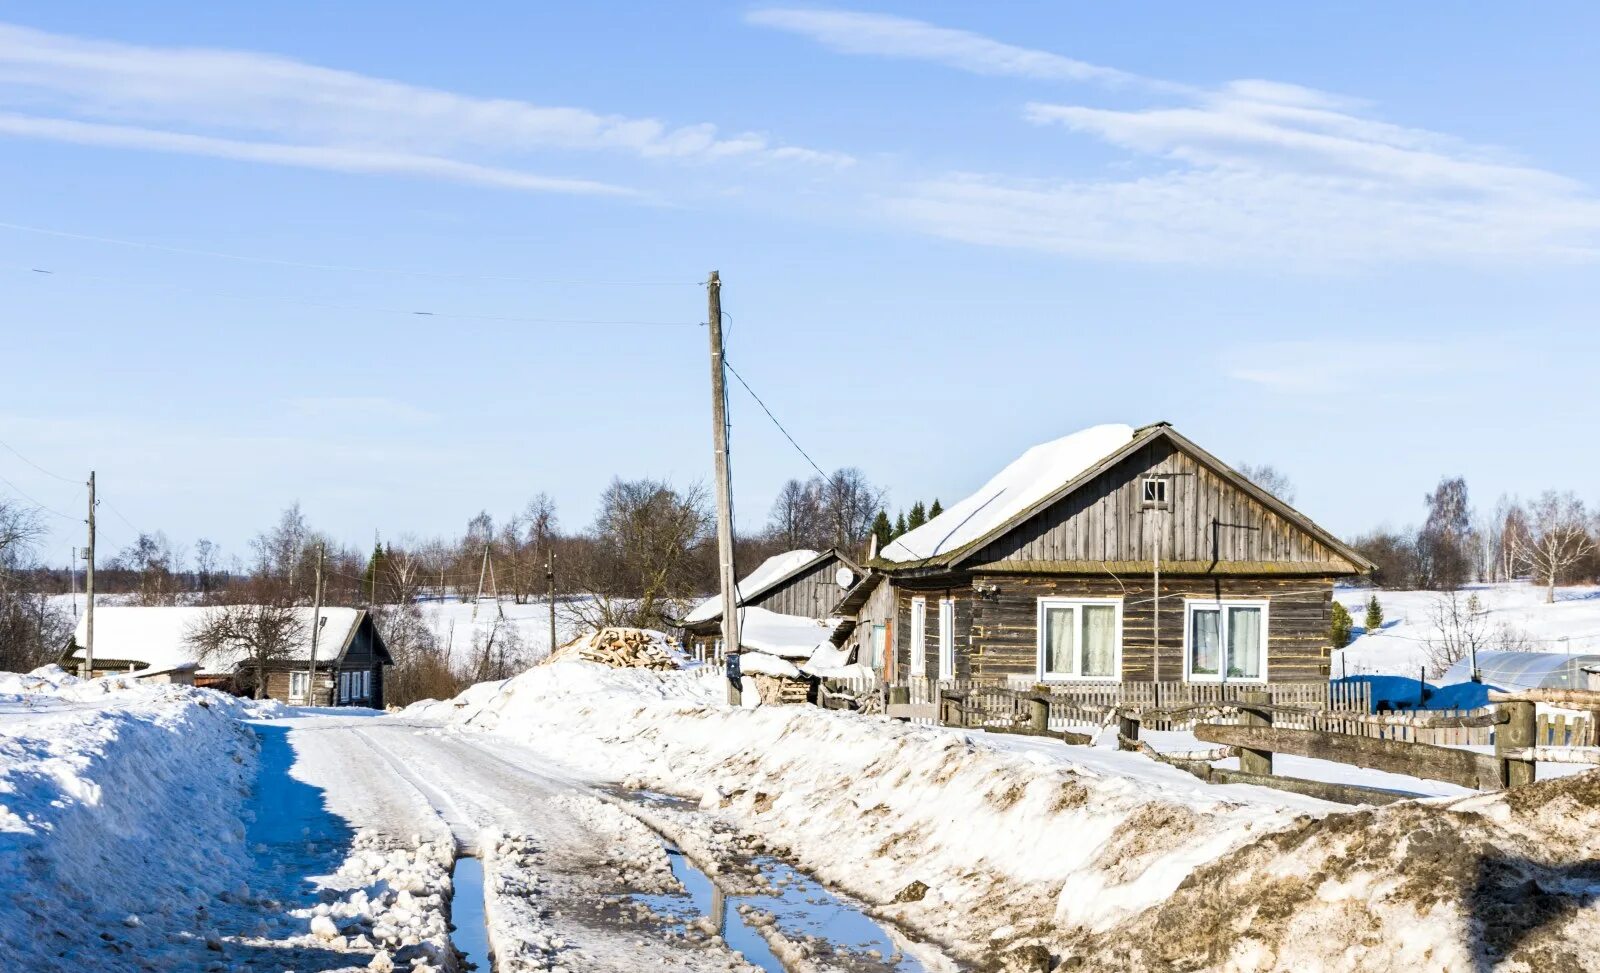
{"x": 947, "y": 639}
{"x": 918, "y": 642}
{"x": 1222, "y": 605}
{"x": 1165, "y": 489}
{"x": 1058, "y": 602}
{"x": 299, "y": 685}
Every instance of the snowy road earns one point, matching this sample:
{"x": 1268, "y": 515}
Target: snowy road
{"x": 561, "y": 864}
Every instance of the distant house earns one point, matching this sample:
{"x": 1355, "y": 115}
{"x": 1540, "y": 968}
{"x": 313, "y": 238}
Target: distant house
{"x": 351, "y": 655}
{"x": 801, "y": 583}
{"x": 1052, "y": 573}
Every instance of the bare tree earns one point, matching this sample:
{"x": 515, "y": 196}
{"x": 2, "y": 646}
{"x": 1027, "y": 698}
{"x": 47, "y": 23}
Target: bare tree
{"x": 1268, "y": 478}
{"x": 279, "y": 550}
{"x": 33, "y": 630}
{"x": 153, "y": 560}
{"x": 1444, "y": 545}
{"x": 206, "y": 560}
{"x": 797, "y": 519}
{"x": 1462, "y": 629}
{"x": 1556, "y": 538}
{"x": 642, "y": 565}
{"x": 849, "y": 502}
{"x": 261, "y": 633}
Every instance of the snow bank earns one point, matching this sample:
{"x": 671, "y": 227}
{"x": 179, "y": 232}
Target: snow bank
{"x": 1009, "y": 845}
{"x": 787, "y": 636}
{"x": 1029, "y": 479}
{"x": 119, "y": 808}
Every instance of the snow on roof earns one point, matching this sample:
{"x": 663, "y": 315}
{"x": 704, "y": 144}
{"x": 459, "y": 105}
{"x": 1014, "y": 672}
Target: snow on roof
{"x": 1514, "y": 671}
{"x": 1029, "y": 479}
{"x": 770, "y": 570}
{"x": 789, "y": 636}
{"x": 159, "y": 637}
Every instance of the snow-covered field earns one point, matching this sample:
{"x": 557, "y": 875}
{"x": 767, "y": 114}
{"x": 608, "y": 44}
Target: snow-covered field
{"x": 1400, "y": 646}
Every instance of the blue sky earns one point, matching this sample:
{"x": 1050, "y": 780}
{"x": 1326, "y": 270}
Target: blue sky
{"x": 1357, "y": 243}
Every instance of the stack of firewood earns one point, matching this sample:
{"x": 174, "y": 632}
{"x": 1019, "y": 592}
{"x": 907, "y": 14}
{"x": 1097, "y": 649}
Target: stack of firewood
{"x": 619, "y": 648}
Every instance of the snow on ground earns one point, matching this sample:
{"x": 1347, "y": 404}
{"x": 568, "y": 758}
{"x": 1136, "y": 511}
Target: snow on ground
{"x": 1009, "y": 844}
{"x": 456, "y": 628}
{"x": 1399, "y": 647}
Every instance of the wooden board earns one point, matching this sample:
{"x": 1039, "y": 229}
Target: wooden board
{"x": 1461, "y": 767}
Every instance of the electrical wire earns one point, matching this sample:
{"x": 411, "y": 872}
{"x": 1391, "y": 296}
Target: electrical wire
{"x": 58, "y": 476}
{"x": 347, "y": 268}
{"x": 331, "y": 305}
{"x": 798, "y": 448}
{"x": 19, "y": 491}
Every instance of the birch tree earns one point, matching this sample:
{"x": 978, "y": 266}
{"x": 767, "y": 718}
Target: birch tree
{"x": 1555, "y": 538}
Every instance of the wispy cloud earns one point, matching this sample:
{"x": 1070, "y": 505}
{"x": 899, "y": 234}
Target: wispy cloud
{"x": 852, "y": 32}
{"x": 1354, "y": 367}
{"x": 1253, "y": 171}
{"x": 259, "y": 107}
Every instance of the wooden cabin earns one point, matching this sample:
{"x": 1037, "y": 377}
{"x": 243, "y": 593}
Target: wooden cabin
{"x": 351, "y": 655}
{"x": 802, "y": 583}
{"x": 1114, "y": 555}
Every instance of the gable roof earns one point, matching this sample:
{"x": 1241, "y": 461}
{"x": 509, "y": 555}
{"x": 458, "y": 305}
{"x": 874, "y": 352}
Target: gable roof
{"x": 1047, "y": 474}
{"x": 159, "y": 636}
{"x": 773, "y": 572}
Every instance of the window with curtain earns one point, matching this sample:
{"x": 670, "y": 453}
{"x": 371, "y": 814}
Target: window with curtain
{"x": 299, "y": 683}
{"x": 919, "y": 636}
{"x": 1079, "y": 639}
{"x": 947, "y": 639}
{"x": 1227, "y": 641}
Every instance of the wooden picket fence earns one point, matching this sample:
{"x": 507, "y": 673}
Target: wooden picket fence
{"x": 1551, "y": 729}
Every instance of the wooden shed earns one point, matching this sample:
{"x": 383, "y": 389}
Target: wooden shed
{"x": 803, "y": 583}
{"x": 1113, "y": 555}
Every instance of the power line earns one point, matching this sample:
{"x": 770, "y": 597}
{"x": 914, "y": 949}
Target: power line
{"x": 774, "y": 419}
{"x": 349, "y": 268}
{"x": 13, "y": 449}
{"x": 36, "y": 503}
{"x": 329, "y": 305}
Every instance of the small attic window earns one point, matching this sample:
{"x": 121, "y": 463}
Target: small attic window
{"x": 1154, "y": 491}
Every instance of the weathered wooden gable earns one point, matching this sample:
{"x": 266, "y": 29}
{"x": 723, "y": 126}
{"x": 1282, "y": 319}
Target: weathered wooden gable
{"x": 810, "y": 593}
{"x": 1208, "y": 519}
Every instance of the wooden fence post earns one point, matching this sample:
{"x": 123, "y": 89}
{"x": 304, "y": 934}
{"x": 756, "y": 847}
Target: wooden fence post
{"x": 1127, "y": 726}
{"x": 1039, "y": 715}
{"x": 1256, "y": 761}
{"x": 1517, "y": 731}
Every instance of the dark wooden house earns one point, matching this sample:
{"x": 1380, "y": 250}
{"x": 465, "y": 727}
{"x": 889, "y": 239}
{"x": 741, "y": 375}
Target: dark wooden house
{"x": 803, "y": 583}
{"x": 351, "y": 655}
{"x": 1115, "y": 555}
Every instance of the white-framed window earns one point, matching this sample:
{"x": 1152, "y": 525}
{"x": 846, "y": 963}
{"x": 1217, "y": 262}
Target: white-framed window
{"x": 947, "y": 639}
{"x": 344, "y": 687}
{"x": 1225, "y": 641}
{"x": 919, "y": 637}
{"x": 1153, "y": 491}
{"x": 299, "y": 685}
{"x": 880, "y": 642}
{"x": 1080, "y": 639}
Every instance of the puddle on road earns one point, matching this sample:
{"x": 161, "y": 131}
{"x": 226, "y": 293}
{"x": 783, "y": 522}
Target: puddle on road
{"x": 470, "y": 933}
{"x": 802, "y": 908}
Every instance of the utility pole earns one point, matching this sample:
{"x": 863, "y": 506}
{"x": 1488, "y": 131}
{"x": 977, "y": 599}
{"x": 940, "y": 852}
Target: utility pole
{"x": 316, "y": 626}
{"x": 72, "y": 579}
{"x": 550, "y": 592}
{"x": 483, "y": 572}
{"x": 719, "y": 434}
{"x": 88, "y": 588}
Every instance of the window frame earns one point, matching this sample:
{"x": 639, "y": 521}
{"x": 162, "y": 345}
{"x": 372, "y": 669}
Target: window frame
{"x": 1047, "y": 602}
{"x": 302, "y": 680}
{"x": 1224, "y": 623}
{"x": 917, "y": 643}
{"x": 947, "y": 639}
{"x": 1165, "y": 485}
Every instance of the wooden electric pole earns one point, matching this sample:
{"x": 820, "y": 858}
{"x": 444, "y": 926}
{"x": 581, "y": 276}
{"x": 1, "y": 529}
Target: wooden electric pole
{"x": 316, "y": 627}
{"x": 719, "y": 434}
{"x": 88, "y": 589}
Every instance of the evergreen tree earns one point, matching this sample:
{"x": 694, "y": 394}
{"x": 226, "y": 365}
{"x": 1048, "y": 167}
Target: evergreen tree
{"x": 900, "y": 524}
{"x": 917, "y": 517}
{"x": 881, "y": 528}
{"x": 936, "y": 509}
{"x": 374, "y": 573}
{"x": 1374, "y": 614}
{"x": 1339, "y": 631}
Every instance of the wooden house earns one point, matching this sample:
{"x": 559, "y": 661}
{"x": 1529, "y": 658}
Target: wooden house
{"x": 801, "y": 583}
{"x": 351, "y": 655}
{"x": 1112, "y": 556}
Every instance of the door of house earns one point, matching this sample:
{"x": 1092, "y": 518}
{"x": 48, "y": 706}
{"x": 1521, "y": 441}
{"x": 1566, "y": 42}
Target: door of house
{"x": 879, "y": 647}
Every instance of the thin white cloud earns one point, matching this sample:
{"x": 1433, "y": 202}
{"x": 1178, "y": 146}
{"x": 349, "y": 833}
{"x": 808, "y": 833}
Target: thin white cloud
{"x": 303, "y": 156}
{"x": 1348, "y": 367}
{"x": 852, "y": 32}
{"x": 247, "y": 105}
{"x": 1250, "y": 170}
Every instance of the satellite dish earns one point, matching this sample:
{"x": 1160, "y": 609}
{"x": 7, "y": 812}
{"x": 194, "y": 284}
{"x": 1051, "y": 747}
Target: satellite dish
{"x": 844, "y": 577}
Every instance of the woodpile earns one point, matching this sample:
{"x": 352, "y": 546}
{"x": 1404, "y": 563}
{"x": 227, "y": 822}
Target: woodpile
{"x": 619, "y": 648}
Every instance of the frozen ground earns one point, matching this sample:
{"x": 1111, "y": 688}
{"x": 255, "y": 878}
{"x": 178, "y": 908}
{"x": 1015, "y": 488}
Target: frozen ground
{"x": 1399, "y": 647}
{"x": 151, "y": 828}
